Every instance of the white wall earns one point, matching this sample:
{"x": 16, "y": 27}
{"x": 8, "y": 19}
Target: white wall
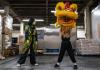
{"x": 96, "y": 23}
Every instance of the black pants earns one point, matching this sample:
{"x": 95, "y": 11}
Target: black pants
{"x": 66, "y": 45}
{"x": 22, "y": 58}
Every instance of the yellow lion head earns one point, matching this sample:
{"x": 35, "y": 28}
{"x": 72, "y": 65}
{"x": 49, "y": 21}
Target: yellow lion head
{"x": 66, "y": 14}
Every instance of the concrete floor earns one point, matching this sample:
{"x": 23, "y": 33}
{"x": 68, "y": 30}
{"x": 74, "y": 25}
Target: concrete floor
{"x": 47, "y": 63}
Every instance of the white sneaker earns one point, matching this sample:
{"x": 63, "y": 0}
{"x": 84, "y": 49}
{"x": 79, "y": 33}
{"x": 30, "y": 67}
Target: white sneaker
{"x": 36, "y": 64}
{"x": 18, "y": 65}
{"x": 2, "y": 58}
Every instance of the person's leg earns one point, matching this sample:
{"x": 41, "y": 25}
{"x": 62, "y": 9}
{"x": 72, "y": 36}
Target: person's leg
{"x": 32, "y": 56}
{"x": 71, "y": 52}
{"x": 23, "y": 57}
{"x": 61, "y": 54}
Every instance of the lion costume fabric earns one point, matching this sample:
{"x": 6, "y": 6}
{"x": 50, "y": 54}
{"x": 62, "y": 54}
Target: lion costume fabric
{"x": 66, "y": 14}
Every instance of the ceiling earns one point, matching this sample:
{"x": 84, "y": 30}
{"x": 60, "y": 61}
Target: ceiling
{"x": 41, "y": 9}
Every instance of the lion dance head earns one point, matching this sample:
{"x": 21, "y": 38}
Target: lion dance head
{"x": 66, "y": 14}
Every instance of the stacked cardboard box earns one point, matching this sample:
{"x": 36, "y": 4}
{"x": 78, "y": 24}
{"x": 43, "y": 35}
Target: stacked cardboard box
{"x": 87, "y": 47}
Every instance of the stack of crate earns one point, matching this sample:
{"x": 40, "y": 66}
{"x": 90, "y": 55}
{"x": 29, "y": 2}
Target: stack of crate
{"x": 87, "y": 47}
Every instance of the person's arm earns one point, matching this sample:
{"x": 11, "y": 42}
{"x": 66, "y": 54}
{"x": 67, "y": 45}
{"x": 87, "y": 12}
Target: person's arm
{"x": 36, "y": 37}
{"x": 73, "y": 31}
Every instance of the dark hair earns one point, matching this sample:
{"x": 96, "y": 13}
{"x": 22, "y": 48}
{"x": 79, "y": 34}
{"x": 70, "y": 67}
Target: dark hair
{"x": 31, "y": 21}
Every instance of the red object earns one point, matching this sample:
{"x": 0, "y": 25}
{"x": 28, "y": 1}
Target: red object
{"x": 67, "y": 5}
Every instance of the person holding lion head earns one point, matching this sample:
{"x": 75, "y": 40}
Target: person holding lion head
{"x": 66, "y": 14}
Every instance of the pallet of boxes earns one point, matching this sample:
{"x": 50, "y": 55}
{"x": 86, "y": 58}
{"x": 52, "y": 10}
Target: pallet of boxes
{"x": 8, "y": 51}
{"x": 87, "y": 47}
{"x": 21, "y": 43}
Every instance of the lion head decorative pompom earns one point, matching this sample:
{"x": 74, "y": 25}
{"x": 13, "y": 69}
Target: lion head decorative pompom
{"x": 66, "y": 14}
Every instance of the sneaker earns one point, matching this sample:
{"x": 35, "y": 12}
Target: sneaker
{"x": 36, "y": 64}
{"x": 75, "y": 67}
{"x": 2, "y": 58}
{"x": 18, "y": 65}
{"x": 56, "y": 65}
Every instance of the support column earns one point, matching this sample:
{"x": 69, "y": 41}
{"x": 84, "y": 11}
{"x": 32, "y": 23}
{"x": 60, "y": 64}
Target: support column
{"x": 21, "y": 37}
{"x": 87, "y": 21}
{"x": 47, "y": 12}
{"x": 22, "y": 28}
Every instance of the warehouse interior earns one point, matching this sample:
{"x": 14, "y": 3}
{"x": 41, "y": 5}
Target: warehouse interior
{"x": 14, "y": 16}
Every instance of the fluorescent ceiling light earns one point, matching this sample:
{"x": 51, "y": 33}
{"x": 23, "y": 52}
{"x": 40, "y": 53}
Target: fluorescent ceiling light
{"x": 2, "y": 10}
{"x": 39, "y": 20}
{"x": 52, "y": 24}
{"x": 25, "y": 20}
{"x": 53, "y": 11}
